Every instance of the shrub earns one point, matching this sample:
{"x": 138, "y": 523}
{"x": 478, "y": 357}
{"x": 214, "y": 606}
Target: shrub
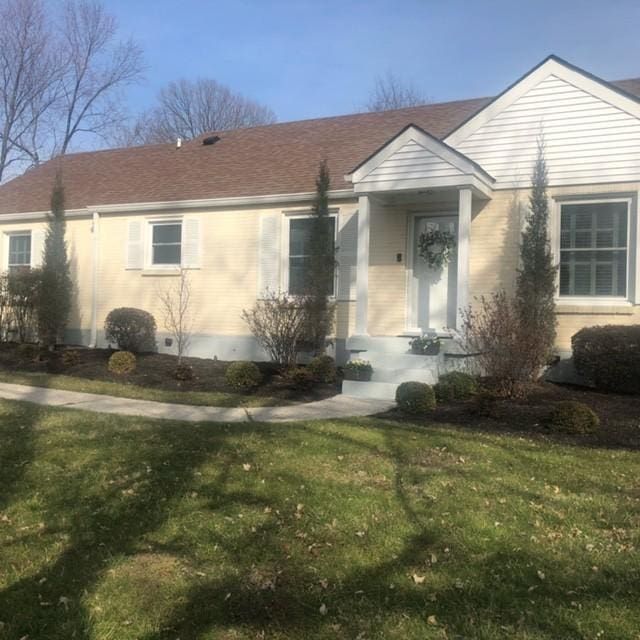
{"x": 300, "y": 378}
{"x": 23, "y": 289}
{"x": 131, "y": 329}
{"x": 279, "y": 322}
{"x": 243, "y": 376}
{"x": 122, "y": 363}
{"x": 609, "y": 356}
{"x": 184, "y": 372}
{"x": 455, "y": 386}
{"x": 573, "y": 417}
{"x": 489, "y": 404}
{"x": 358, "y": 370}
{"x": 415, "y": 397}
{"x": 323, "y": 369}
{"x": 70, "y": 357}
{"x": 28, "y": 351}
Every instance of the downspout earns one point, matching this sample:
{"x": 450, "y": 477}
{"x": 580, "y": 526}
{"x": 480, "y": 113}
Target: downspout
{"x": 95, "y": 230}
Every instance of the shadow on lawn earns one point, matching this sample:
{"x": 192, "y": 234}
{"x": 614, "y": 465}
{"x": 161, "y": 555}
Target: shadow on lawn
{"x": 112, "y": 518}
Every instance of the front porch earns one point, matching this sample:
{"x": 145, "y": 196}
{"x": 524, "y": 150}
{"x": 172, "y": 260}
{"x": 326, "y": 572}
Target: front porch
{"x": 412, "y": 185}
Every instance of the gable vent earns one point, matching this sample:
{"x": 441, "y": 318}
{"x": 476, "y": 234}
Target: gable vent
{"x": 210, "y": 140}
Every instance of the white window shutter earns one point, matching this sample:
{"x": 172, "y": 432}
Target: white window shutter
{"x": 269, "y": 256}
{"x": 347, "y": 259}
{"x": 37, "y": 247}
{"x": 135, "y": 245}
{"x": 191, "y": 243}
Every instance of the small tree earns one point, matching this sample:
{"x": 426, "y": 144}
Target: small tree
{"x": 178, "y": 319}
{"x": 321, "y": 265}
{"x": 54, "y": 301}
{"x": 536, "y": 280}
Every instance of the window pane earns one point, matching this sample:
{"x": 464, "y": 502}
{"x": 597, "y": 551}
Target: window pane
{"x": 297, "y": 275}
{"x": 20, "y": 250}
{"x": 167, "y": 233}
{"x": 593, "y": 273}
{"x": 300, "y": 230}
{"x": 166, "y": 254}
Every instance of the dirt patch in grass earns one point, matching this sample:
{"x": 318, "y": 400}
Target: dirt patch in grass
{"x": 156, "y": 371}
{"x": 619, "y": 415}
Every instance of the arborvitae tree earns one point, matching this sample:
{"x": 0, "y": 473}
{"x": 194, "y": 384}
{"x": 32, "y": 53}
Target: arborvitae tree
{"x": 56, "y": 286}
{"x": 536, "y": 280}
{"x": 321, "y": 266}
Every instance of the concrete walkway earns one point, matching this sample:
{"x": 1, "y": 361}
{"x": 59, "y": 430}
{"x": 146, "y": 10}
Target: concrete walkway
{"x": 335, "y": 407}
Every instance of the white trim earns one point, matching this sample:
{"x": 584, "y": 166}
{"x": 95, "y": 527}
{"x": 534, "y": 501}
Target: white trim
{"x": 362, "y": 266}
{"x": 551, "y": 67}
{"x": 287, "y": 216}
{"x": 465, "y": 213}
{"x": 412, "y": 133}
{"x": 95, "y": 261}
{"x": 42, "y": 215}
{"x": 481, "y": 188}
{"x": 632, "y": 249}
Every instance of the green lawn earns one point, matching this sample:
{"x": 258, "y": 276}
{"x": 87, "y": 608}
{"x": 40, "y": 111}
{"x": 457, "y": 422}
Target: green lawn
{"x": 121, "y": 528}
{"x": 126, "y": 390}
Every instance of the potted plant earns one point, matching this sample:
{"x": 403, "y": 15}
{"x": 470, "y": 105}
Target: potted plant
{"x": 425, "y": 345}
{"x": 358, "y": 370}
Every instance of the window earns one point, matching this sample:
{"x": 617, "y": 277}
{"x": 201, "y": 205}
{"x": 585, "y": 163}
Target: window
{"x": 166, "y": 244}
{"x": 300, "y": 230}
{"x": 594, "y": 248}
{"x": 19, "y": 250}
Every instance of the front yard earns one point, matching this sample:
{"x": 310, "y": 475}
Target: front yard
{"x": 129, "y": 528}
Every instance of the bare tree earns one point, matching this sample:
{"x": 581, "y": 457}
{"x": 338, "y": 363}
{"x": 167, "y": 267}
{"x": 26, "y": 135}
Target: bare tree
{"x": 29, "y": 73}
{"x": 390, "y": 92}
{"x": 175, "y": 301}
{"x": 187, "y": 109}
{"x": 96, "y": 67}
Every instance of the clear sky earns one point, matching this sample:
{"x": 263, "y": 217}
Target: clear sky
{"x": 317, "y": 58}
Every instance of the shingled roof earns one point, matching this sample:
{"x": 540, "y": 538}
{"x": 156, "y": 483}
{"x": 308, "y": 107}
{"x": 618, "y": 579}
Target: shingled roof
{"x": 269, "y": 160}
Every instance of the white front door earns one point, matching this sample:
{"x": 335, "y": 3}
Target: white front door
{"x": 432, "y": 291}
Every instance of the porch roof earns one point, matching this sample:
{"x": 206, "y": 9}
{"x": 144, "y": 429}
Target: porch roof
{"x": 414, "y": 159}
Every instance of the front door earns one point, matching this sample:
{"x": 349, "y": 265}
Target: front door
{"x": 433, "y": 291}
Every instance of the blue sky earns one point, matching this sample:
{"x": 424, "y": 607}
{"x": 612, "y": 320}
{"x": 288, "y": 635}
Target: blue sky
{"x": 317, "y": 58}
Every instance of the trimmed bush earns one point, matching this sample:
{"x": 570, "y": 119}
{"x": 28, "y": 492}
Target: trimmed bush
{"x": 122, "y": 363}
{"x": 243, "y": 376}
{"x": 573, "y": 417}
{"x": 28, "y": 351}
{"x": 609, "y": 356}
{"x": 300, "y": 378}
{"x": 455, "y": 386}
{"x": 184, "y": 372}
{"x": 70, "y": 357}
{"x": 131, "y": 329}
{"x": 323, "y": 369}
{"x": 415, "y": 397}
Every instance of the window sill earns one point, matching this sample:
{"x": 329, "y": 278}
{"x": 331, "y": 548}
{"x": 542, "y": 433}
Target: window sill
{"x": 594, "y": 306}
{"x": 161, "y": 271}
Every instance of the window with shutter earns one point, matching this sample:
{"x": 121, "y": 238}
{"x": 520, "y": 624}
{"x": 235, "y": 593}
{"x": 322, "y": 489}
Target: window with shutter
{"x": 19, "y": 251}
{"x": 594, "y": 249}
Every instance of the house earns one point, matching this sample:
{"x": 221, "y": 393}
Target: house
{"x": 233, "y": 209}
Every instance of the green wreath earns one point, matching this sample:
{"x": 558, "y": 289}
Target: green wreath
{"x": 436, "y": 247}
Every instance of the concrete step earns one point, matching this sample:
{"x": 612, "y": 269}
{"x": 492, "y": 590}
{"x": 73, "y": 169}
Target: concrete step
{"x": 387, "y": 360}
{"x": 430, "y": 376}
{"x": 378, "y": 390}
{"x": 387, "y": 344}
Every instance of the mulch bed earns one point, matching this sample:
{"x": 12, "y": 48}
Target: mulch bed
{"x": 619, "y": 415}
{"x": 155, "y": 370}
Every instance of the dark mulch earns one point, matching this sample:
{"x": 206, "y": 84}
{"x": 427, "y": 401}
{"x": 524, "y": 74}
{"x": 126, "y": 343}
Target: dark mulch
{"x": 619, "y": 415}
{"x": 155, "y": 370}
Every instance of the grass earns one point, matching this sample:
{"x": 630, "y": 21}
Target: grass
{"x": 122, "y": 528}
{"x": 137, "y": 392}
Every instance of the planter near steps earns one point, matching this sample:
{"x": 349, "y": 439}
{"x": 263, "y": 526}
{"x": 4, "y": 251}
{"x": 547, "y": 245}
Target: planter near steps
{"x": 358, "y": 370}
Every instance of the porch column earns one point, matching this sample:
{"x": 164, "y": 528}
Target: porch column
{"x": 464, "y": 231}
{"x": 362, "y": 269}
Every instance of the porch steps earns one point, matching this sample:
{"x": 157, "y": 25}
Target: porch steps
{"x": 378, "y": 390}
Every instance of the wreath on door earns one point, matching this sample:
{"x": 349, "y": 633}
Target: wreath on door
{"x": 436, "y": 247}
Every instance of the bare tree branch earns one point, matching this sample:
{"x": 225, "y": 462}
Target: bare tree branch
{"x": 390, "y": 92}
{"x": 175, "y": 301}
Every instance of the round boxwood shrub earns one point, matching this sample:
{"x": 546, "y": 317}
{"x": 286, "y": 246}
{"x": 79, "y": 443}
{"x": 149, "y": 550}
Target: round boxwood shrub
{"x": 455, "y": 385}
{"x": 122, "y": 363}
{"x": 323, "y": 369}
{"x": 243, "y": 376}
{"x": 573, "y": 417}
{"x": 131, "y": 329}
{"x": 184, "y": 372}
{"x": 300, "y": 378}
{"x": 415, "y": 397}
{"x": 609, "y": 356}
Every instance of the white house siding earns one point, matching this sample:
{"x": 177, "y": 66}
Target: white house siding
{"x": 587, "y": 139}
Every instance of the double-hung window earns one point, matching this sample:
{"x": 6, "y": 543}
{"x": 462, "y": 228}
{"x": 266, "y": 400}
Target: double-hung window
{"x": 594, "y": 249}
{"x": 166, "y": 244}
{"x": 19, "y": 251}
{"x": 300, "y": 238}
